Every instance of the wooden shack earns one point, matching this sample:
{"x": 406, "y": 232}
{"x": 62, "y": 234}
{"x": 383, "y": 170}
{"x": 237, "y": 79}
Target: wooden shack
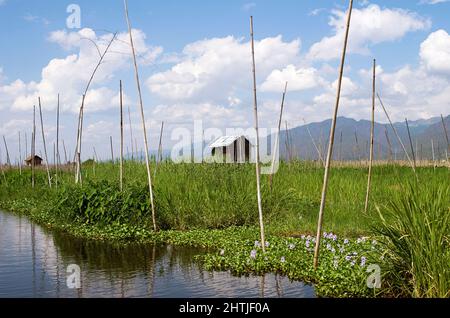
{"x": 37, "y": 160}
{"x": 231, "y": 149}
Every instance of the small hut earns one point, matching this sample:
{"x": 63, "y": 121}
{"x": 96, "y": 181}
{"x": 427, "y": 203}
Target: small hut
{"x": 231, "y": 149}
{"x": 37, "y": 160}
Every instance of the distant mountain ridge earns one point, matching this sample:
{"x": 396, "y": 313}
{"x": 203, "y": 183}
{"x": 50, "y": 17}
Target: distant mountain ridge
{"x": 352, "y": 139}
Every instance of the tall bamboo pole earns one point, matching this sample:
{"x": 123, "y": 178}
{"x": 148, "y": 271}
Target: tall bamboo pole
{"x": 121, "y": 138}
{"x": 411, "y": 143}
{"x": 131, "y": 134}
{"x": 446, "y": 136}
{"x": 255, "y": 113}
{"x": 8, "y": 159}
{"x": 159, "y": 154}
{"x": 314, "y": 144}
{"x": 331, "y": 141}
{"x": 45, "y": 147}
{"x": 396, "y": 134}
{"x": 372, "y": 129}
{"x": 57, "y": 144}
{"x": 33, "y": 146}
{"x": 20, "y": 156}
{"x": 112, "y": 150}
{"x": 389, "y": 144}
{"x": 276, "y": 150}
{"x": 147, "y": 160}
{"x": 288, "y": 144}
{"x": 65, "y": 152}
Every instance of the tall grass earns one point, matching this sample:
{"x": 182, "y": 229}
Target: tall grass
{"x": 415, "y": 230}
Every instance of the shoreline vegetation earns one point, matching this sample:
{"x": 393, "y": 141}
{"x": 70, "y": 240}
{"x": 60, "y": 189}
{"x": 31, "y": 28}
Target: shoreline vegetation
{"x": 406, "y": 230}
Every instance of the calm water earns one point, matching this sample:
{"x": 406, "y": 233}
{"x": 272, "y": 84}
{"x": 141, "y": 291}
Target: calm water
{"x": 33, "y": 263}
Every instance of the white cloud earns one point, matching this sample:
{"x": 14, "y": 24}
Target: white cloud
{"x": 298, "y": 78}
{"x": 70, "y": 75}
{"x": 370, "y": 25}
{"x": 213, "y": 70}
{"x": 435, "y": 52}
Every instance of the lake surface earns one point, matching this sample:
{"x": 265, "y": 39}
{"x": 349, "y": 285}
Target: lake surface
{"x": 34, "y": 263}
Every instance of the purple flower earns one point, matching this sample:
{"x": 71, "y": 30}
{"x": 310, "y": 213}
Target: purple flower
{"x": 267, "y": 244}
{"x": 253, "y": 254}
{"x": 302, "y": 237}
{"x": 363, "y": 261}
{"x": 291, "y": 246}
{"x": 346, "y": 241}
{"x": 325, "y": 235}
{"x": 307, "y": 243}
{"x": 283, "y": 259}
{"x": 329, "y": 246}
{"x": 334, "y": 237}
{"x": 348, "y": 258}
{"x": 353, "y": 263}
{"x": 333, "y": 250}
{"x": 257, "y": 244}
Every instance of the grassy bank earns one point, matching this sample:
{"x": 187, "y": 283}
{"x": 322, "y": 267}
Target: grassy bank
{"x": 213, "y": 206}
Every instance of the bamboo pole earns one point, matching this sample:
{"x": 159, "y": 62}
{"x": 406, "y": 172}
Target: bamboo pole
{"x": 314, "y": 144}
{"x": 389, "y": 144}
{"x": 372, "y": 129}
{"x": 288, "y": 144}
{"x": 33, "y": 147}
{"x": 112, "y": 150}
{"x": 331, "y": 141}
{"x": 396, "y": 134}
{"x": 8, "y": 159}
{"x": 121, "y": 138}
{"x": 65, "y": 152}
{"x": 446, "y": 136}
{"x": 131, "y": 134}
{"x": 147, "y": 161}
{"x": 277, "y": 139}
{"x": 432, "y": 154}
{"x": 78, "y": 178}
{"x": 57, "y": 144}
{"x": 159, "y": 155}
{"x": 20, "y": 156}
{"x": 411, "y": 143}
{"x": 45, "y": 147}
{"x": 255, "y": 113}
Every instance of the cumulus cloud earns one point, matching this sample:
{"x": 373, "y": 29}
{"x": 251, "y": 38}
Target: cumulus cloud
{"x": 70, "y": 75}
{"x": 435, "y": 52}
{"x": 212, "y": 70}
{"x": 370, "y": 25}
{"x": 299, "y": 79}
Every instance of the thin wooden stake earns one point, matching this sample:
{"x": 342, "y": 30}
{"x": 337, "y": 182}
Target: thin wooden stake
{"x": 121, "y": 138}
{"x": 147, "y": 160}
{"x": 255, "y": 113}
{"x": 33, "y": 147}
{"x": 159, "y": 155}
{"x": 396, "y": 134}
{"x": 112, "y": 150}
{"x": 331, "y": 142}
{"x": 411, "y": 143}
{"x": 45, "y": 147}
{"x": 57, "y": 144}
{"x": 446, "y": 136}
{"x": 20, "y": 157}
{"x": 276, "y": 150}
{"x": 372, "y": 129}
{"x": 319, "y": 153}
{"x": 8, "y": 160}
{"x": 65, "y": 152}
{"x": 389, "y": 144}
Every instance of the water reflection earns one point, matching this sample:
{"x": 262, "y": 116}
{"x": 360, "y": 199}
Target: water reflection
{"x": 33, "y": 263}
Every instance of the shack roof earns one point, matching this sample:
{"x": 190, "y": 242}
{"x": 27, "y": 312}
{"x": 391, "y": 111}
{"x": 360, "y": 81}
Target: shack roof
{"x": 224, "y": 141}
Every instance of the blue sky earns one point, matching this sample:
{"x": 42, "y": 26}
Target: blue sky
{"x": 194, "y": 62}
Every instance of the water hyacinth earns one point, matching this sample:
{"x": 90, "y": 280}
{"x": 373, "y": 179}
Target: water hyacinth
{"x": 348, "y": 258}
{"x": 307, "y": 243}
{"x": 291, "y": 246}
{"x": 253, "y": 254}
{"x": 346, "y": 241}
{"x": 363, "y": 261}
{"x": 257, "y": 244}
{"x": 267, "y": 244}
{"x": 283, "y": 259}
{"x": 329, "y": 247}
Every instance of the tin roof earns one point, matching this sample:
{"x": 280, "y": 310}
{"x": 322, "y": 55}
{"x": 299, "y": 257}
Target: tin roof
{"x": 224, "y": 141}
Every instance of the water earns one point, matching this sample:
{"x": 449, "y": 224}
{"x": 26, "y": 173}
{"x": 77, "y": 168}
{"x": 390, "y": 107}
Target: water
{"x": 33, "y": 263}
